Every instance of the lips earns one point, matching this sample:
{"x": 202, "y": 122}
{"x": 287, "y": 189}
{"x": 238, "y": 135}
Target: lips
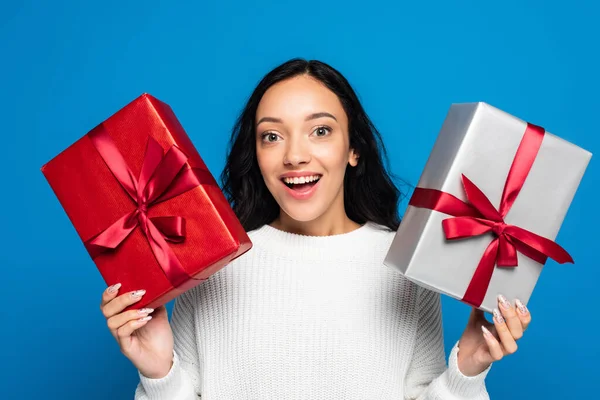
{"x": 298, "y": 181}
{"x": 301, "y": 186}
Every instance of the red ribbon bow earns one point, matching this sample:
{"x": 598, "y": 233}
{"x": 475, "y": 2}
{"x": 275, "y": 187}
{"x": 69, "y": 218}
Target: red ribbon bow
{"x": 162, "y": 177}
{"x": 479, "y": 216}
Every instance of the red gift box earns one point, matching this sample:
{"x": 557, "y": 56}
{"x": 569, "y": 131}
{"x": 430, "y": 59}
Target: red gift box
{"x": 145, "y": 205}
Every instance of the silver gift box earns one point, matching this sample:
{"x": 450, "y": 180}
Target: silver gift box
{"x": 481, "y": 141}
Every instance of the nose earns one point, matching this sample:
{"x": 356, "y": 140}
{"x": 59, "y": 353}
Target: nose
{"x": 297, "y": 152}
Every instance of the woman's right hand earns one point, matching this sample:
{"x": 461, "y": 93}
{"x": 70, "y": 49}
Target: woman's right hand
{"x": 147, "y": 343}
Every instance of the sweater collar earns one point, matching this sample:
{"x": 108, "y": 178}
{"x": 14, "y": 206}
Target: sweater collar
{"x": 299, "y": 245}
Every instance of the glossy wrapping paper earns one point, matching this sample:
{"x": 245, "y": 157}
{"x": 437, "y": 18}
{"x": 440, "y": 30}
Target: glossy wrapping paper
{"x": 194, "y": 229}
{"x": 488, "y": 206}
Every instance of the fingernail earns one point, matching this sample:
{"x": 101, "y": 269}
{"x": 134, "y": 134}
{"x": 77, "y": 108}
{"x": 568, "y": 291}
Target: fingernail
{"x": 148, "y": 318}
{"x": 520, "y": 306}
{"x": 138, "y": 293}
{"x": 503, "y": 302}
{"x": 498, "y": 317}
{"x": 146, "y": 310}
{"x": 112, "y": 289}
{"x": 486, "y": 332}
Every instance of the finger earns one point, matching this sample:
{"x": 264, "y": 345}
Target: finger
{"x": 109, "y": 294}
{"x": 158, "y": 311}
{"x": 125, "y": 331}
{"x": 523, "y": 313}
{"x": 496, "y": 350}
{"x": 477, "y": 316}
{"x": 510, "y": 315}
{"x": 507, "y": 340}
{"x": 118, "y": 304}
{"x": 117, "y": 321}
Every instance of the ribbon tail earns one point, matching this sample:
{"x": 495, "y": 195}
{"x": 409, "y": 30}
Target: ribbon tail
{"x": 539, "y": 244}
{"x": 166, "y": 258}
{"x": 113, "y": 236}
{"x": 480, "y": 282}
{"x": 507, "y": 253}
{"x": 171, "y": 228}
{"x": 530, "y": 252}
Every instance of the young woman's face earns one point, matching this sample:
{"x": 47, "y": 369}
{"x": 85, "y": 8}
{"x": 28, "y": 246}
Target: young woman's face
{"x": 303, "y": 147}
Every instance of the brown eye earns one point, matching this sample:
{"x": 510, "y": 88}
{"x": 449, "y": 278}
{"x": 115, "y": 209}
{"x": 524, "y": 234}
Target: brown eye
{"x": 322, "y": 131}
{"x": 270, "y": 137}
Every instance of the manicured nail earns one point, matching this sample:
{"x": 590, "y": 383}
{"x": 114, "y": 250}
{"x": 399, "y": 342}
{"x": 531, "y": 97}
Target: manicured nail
{"x": 138, "y": 293}
{"x": 486, "y": 332}
{"x": 521, "y": 307}
{"x": 146, "y": 310}
{"x": 503, "y": 302}
{"x": 498, "y": 317}
{"x": 147, "y": 318}
{"x": 113, "y": 289}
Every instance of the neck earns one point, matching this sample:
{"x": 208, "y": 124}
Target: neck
{"x": 334, "y": 221}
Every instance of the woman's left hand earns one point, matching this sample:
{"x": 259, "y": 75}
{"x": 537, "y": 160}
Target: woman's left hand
{"x": 482, "y": 342}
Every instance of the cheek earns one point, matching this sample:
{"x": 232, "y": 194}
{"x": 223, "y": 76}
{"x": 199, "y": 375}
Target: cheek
{"x": 267, "y": 162}
{"x": 333, "y": 157}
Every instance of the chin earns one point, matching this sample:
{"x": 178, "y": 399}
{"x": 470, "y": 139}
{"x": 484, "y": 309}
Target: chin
{"x": 303, "y": 213}
{"x": 306, "y": 206}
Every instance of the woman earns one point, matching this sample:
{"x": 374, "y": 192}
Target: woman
{"x": 310, "y": 311}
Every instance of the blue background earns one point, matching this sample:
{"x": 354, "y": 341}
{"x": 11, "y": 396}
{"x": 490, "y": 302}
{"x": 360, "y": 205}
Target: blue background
{"x": 67, "y": 66}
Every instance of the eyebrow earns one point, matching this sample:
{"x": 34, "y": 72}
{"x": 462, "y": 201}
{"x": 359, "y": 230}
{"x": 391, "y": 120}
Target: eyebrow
{"x": 320, "y": 115}
{"x": 308, "y": 118}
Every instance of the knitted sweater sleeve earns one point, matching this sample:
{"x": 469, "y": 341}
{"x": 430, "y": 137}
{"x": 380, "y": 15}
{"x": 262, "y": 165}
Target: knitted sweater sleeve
{"x": 428, "y": 377}
{"x": 183, "y": 380}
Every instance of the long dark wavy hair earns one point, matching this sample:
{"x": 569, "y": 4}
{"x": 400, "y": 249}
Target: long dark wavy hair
{"x": 369, "y": 192}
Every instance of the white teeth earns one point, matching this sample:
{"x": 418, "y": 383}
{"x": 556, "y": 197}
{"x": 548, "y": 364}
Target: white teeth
{"x": 300, "y": 180}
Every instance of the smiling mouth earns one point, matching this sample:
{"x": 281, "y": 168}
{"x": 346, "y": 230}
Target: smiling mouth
{"x": 301, "y": 184}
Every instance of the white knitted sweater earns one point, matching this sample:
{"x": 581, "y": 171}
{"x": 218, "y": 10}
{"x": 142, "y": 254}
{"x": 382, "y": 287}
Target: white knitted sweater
{"x": 311, "y": 318}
